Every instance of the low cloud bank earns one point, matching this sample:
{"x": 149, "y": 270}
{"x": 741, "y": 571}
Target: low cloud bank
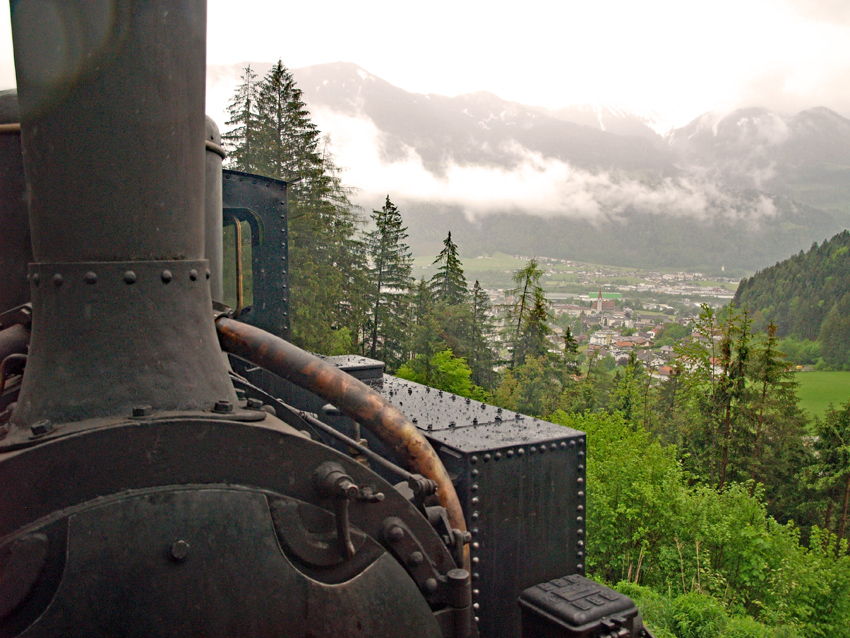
{"x": 537, "y": 185}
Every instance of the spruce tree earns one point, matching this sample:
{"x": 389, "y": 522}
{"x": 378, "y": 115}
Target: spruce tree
{"x": 240, "y": 140}
{"x": 389, "y": 283}
{"x": 481, "y": 357}
{"x": 527, "y": 314}
{"x": 326, "y": 261}
{"x": 449, "y": 284}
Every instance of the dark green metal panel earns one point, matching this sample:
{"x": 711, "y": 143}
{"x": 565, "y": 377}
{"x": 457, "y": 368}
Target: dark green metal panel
{"x": 261, "y": 201}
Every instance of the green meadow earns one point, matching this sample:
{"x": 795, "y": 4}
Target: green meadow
{"x": 818, "y": 389}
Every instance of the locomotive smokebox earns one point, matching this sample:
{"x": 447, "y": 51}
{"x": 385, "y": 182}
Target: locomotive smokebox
{"x": 112, "y": 129}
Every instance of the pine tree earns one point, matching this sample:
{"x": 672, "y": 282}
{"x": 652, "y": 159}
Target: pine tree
{"x": 326, "y": 261}
{"x": 449, "y": 284}
{"x": 389, "y": 282}
{"x": 481, "y": 357}
{"x": 527, "y": 315}
{"x": 240, "y": 140}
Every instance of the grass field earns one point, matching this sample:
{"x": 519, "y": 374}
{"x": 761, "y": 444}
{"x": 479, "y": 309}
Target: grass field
{"x": 818, "y": 389}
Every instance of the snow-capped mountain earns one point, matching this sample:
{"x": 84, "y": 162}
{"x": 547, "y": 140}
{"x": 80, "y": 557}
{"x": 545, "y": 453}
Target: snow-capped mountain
{"x": 592, "y": 182}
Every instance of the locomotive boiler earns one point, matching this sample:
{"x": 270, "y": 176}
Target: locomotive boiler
{"x": 173, "y": 466}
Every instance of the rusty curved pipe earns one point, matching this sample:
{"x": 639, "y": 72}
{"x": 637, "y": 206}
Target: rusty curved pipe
{"x": 352, "y": 397}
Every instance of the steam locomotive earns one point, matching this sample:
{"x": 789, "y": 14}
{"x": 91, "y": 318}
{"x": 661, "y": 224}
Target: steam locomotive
{"x": 171, "y": 465}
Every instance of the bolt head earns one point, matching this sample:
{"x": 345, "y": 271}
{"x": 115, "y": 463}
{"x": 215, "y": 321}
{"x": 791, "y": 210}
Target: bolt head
{"x": 430, "y": 586}
{"x": 223, "y": 407}
{"x": 180, "y": 550}
{"x": 395, "y": 534}
{"x": 129, "y": 277}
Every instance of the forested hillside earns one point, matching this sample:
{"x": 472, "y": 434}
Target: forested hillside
{"x": 807, "y": 297}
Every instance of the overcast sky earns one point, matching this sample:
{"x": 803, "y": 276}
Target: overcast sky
{"x": 680, "y": 57}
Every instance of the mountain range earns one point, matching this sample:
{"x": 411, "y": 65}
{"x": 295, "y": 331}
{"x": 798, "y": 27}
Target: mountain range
{"x": 586, "y": 182}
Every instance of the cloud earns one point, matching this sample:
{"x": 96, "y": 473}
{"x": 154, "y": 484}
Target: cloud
{"x": 536, "y": 185}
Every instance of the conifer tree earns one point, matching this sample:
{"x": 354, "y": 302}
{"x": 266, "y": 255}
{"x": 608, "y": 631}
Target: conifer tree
{"x": 389, "y": 282}
{"x": 527, "y": 314}
{"x": 449, "y": 284}
{"x": 481, "y": 357}
{"x": 240, "y": 140}
{"x": 325, "y": 259}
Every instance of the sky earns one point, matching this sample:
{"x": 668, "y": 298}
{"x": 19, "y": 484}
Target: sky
{"x": 675, "y": 59}
{"x": 678, "y": 58}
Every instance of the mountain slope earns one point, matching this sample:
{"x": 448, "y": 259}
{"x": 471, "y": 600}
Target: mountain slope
{"x": 798, "y": 294}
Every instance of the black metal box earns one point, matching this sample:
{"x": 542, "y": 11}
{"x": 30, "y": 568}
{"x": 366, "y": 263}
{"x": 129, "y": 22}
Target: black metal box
{"x": 577, "y": 607}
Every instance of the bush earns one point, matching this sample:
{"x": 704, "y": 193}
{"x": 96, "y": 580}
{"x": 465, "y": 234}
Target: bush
{"x": 746, "y": 627}
{"x": 697, "y": 615}
{"x": 655, "y": 609}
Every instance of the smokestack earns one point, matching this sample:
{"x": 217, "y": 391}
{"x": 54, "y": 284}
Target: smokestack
{"x": 111, "y": 101}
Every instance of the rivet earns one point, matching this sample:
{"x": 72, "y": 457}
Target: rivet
{"x": 475, "y": 593}
{"x": 474, "y": 487}
{"x": 476, "y": 606}
{"x": 207, "y": 274}
{"x": 395, "y": 534}
{"x": 58, "y": 280}
{"x": 579, "y": 519}
{"x": 476, "y": 545}
{"x": 473, "y": 459}
{"x": 129, "y": 277}
{"x": 580, "y": 543}
{"x": 416, "y": 558}
{"x": 580, "y": 467}
{"x": 580, "y": 508}
{"x": 563, "y": 445}
{"x": 474, "y": 472}
{"x": 90, "y": 277}
{"x": 475, "y": 500}
{"x": 193, "y": 274}
{"x": 166, "y": 276}
{"x": 180, "y": 550}
{"x": 532, "y": 449}
{"x": 580, "y": 480}
{"x": 476, "y": 576}
{"x": 579, "y": 554}
{"x": 36, "y": 279}
{"x": 579, "y": 567}
{"x": 487, "y": 458}
{"x": 520, "y": 452}
{"x": 475, "y": 560}
{"x": 542, "y": 448}
{"x": 497, "y": 455}
{"x": 580, "y": 532}
{"x": 510, "y": 454}
{"x": 475, "y": 516}
{"x": 430, "y": 586}
{"x": 474, "y": 531}
{"x": 580, "y": 493}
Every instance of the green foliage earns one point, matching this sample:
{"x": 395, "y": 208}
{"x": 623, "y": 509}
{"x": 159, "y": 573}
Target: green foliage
{"x": 834, "y": 334}
{"x": 448, "y": 285}
{"x": 527, "y": 315}
{"x": 442, "y": 371}
{"x": 798, "y": 293}
{"x": 696, "y": 615}
{"x": 273, "y": 135}
{"x": 648, "y": 525}
{"x": 389, "y": 282}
